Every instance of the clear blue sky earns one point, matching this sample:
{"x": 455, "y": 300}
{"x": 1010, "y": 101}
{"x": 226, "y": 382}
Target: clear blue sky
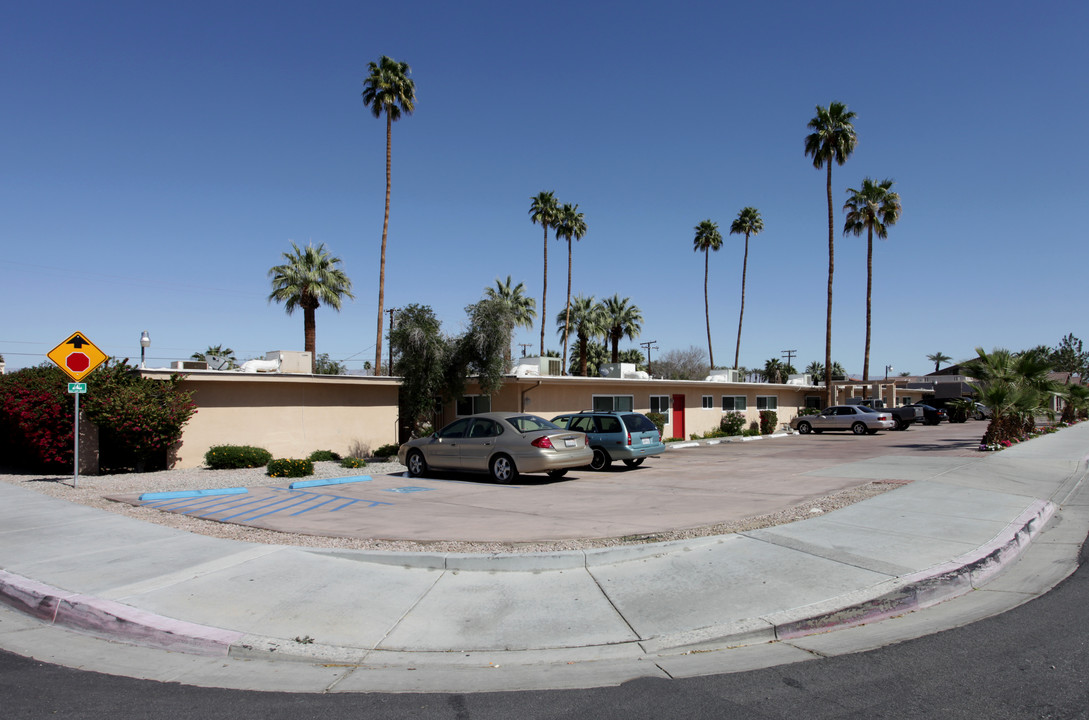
{"x": 156, "y": 159}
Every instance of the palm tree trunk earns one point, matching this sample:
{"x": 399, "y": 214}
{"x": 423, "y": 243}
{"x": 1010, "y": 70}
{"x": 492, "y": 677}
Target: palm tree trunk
{"x": 707, "y": 307}
{"x": 310, "y": 333}
{"x": 744, "y": 270}
{"x": 567, "y": 320}
{"x": 382, "y": 263}
{"x": 615, "y": 337}
{"x": 582, "y": 354}
{"x": 544, "y": 291}
{"x": 831, "y": 269}
{"x": 869, "y": 296}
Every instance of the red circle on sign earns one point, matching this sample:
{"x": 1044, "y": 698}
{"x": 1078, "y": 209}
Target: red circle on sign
{"x": 77, "y": 362}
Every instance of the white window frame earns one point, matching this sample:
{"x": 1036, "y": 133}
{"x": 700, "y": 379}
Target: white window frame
{"x": 734, "y": 398}
{"x": 659, "y": 400}
{"x": 478, "y": 404}
{"x": 708, "y": 402}
{"x": 614, "y": 405}
{"x": 765, "y": 398}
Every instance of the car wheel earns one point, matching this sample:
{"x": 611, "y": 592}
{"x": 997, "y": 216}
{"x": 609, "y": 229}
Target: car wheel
{"x": 601, "y": 460}
{"x": 417, "y": 466}
{"x": 980, "y": 416}
{"x": 503, "y": 469}
{"x": 636, "y": 462}
{"x": 557, "y": 474}
{"x": 900, "y": 424}
{"x": 858, "y": 428}
{"x": 804, "y": 428}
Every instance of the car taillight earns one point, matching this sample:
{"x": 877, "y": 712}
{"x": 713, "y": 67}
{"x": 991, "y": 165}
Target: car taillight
{"x": 629, "y": 438}
{"x": 543, "y": 442}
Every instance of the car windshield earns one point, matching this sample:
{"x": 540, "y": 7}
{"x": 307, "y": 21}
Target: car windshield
{"x": 529, "y": 423}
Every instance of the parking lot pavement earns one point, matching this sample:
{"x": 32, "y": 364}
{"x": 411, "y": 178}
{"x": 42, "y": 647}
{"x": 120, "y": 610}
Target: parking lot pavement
{"x": 683, "y": 489}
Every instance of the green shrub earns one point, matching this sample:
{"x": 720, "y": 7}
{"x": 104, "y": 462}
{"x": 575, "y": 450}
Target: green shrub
{"x": 732, "y": 423}
{"x": 754, "y": 428}
{"x": 659, "y": 421}
{"x": 673, "y": 439}
{"x": 324, "y": 456}
{"x": 694, "y": 436}
{"x": 353, "y": 462}
{"x": 808, "y": 411}
{"x": 229, "y": 457}
{"x": 290, "y": 468}
{"x": 387, "y": 451}
{"x": 769, "y": 421}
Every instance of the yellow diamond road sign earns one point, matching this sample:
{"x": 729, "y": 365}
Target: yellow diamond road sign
{"x": 77, "y": 356}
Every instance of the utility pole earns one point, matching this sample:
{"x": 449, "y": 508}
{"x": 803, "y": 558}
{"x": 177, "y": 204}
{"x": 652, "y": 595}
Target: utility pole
{"x": 789, "y": 355}
{"x": 647, "y": 346}
{"x": 524, "y": 346}
{"x": 391, "y": 311}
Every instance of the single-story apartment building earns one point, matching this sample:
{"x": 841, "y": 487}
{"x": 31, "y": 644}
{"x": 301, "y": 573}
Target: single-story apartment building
{"x": 293, "y": 413}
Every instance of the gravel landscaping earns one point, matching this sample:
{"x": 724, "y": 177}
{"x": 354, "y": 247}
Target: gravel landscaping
{"x": 94, "y": 491}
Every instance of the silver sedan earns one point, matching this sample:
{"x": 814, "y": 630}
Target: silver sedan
{"x": 859, "y": 419}
{"x": 503, "y": 444}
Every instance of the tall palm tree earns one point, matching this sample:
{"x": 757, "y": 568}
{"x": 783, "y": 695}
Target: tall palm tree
{"x": 387, "y": 90}
{"x": 621, "y": 319}
{"x": 748, "y": 223}
{"x": 569, "y": 224}
{"x": 874, "y": 209}
{"x": 833, "y": 140}
{"x": 523, "y": 309}
{"x": 707, "y": 238}
{"x": 544, "y": 209}
{"x": 307, "y": 279}
{"x": 938, "y": 358}
{"x": 584, "y": 318}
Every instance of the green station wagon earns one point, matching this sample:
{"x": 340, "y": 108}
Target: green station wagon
{"x": 626, "y": 436}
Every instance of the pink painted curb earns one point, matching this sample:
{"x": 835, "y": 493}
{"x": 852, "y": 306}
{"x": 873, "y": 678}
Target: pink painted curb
{"x": 112, "y": 620}
{"x": 929, "y": 587}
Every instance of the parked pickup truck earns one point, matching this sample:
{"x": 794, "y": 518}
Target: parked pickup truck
{"x": 903, "y": 416}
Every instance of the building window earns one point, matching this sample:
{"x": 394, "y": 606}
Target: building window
{"x": 731, "y": 403}
{"x": 708, "y": 402}
{"x": 813, "y": 401}
{"x": 473, "y": 404}
{"x": 659, "y": 404}
{"x": 767, "y": 402}
{"x": 613, "y": 403}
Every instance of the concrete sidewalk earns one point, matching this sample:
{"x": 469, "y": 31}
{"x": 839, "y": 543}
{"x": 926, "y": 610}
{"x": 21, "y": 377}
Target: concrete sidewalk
{"x": 370, "y": 621}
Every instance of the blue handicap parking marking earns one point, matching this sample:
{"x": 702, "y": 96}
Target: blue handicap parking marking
{"x": 408, "y": 489}
{"x": 249, "y": 508}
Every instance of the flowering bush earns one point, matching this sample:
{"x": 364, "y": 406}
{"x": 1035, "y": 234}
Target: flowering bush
{"x": 353, "y": 462}
{"x": 36, "y": 418}
{"x": 138, "y": 419}
{"x": 290, "y": 468}
{"x": 769, "y": 420}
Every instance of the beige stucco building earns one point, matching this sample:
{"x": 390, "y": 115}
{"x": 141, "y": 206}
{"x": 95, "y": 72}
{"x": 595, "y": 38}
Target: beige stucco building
{"x": 290, "y": 415}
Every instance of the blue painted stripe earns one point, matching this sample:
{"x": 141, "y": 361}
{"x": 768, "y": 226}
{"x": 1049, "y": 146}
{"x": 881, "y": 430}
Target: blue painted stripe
{"x": 192, "y": 493}
{"x": 329, "y": 481}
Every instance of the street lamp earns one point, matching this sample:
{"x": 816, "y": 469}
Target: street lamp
{"x": 887, "y": 369}
{"x": 145, "y": 343}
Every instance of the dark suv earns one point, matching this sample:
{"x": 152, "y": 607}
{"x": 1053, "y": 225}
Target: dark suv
{"x": 626, "y": 436}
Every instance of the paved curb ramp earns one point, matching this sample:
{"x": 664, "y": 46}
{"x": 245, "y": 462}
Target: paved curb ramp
{"x": 358, "y": 620}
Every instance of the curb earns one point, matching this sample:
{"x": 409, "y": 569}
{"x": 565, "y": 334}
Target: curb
{"x": 114, "y": 621}
{"x": 111, "y": 620}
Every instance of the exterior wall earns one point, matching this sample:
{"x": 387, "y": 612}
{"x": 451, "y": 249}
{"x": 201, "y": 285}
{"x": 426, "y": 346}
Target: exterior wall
{"x": 288, "y": 415}
{"x": 550, "y": 396}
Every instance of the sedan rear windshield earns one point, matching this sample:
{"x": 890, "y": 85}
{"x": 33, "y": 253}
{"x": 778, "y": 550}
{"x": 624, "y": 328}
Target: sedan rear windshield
{"x": 638, "y": 423}
{"x": 529, "y": 423}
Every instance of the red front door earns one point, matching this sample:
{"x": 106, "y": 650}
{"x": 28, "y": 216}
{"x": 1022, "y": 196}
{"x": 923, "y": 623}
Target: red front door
{"x": 678, "y": 417}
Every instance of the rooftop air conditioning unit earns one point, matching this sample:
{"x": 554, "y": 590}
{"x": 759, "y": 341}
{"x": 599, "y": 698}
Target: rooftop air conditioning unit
{"x": 726, "y": 375}
{"x": 537, "y": 365}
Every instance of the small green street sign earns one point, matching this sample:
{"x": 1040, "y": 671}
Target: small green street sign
{"x": 77, "y": 388}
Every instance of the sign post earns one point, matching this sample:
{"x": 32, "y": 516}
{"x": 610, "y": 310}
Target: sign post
{"x": 77, "y": 357}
